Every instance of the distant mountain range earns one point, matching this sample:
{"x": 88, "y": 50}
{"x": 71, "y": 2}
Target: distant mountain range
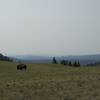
{"x": 32, "y": 59}
{"x": 84, "y": 59}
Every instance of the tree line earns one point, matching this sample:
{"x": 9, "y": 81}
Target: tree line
{"x": 67, "y": 62}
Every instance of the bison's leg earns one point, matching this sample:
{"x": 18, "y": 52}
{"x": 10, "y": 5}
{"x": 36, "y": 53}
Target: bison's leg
{"x": 25, "y": 67}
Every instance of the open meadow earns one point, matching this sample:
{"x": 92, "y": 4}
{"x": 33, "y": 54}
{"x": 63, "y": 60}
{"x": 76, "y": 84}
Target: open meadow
{"x": 49, "y": 82}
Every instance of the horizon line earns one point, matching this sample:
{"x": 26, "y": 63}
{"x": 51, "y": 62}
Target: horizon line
{"x": 56, "y": 55}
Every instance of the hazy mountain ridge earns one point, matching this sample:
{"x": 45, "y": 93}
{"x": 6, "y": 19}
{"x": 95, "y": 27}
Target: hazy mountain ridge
{"x": 84, "y": 59}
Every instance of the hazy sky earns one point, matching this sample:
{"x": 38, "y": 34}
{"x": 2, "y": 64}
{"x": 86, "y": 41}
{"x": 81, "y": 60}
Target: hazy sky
{"x": 50, "y": 27}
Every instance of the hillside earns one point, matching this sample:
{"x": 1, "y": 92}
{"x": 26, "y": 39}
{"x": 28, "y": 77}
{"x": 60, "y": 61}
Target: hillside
{"x": 4, "y": 58}
{"x": 49, "y": 82}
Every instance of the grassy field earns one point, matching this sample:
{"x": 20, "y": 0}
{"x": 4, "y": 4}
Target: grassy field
{"x": 49, "y": 82}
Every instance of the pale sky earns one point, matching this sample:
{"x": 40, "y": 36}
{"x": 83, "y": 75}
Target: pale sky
{"x": 50, "y": 27}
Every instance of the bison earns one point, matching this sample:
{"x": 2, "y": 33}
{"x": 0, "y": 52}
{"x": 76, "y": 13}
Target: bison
{"x": 21, "y": 67}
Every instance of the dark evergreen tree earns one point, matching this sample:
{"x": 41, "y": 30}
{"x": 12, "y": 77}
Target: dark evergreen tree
{"x": 75, "y": 64}
{"x": 54, "y": 60}
{"x": 70, "y": 63}
{"x": 64, "y": 62}
{"x": 78, "y": 64}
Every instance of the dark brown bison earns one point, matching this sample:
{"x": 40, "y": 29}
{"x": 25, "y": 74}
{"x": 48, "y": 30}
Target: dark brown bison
{"x": 21, "y": 67}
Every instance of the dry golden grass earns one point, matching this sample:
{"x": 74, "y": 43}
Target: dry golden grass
{"x": 49, "y": 82}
